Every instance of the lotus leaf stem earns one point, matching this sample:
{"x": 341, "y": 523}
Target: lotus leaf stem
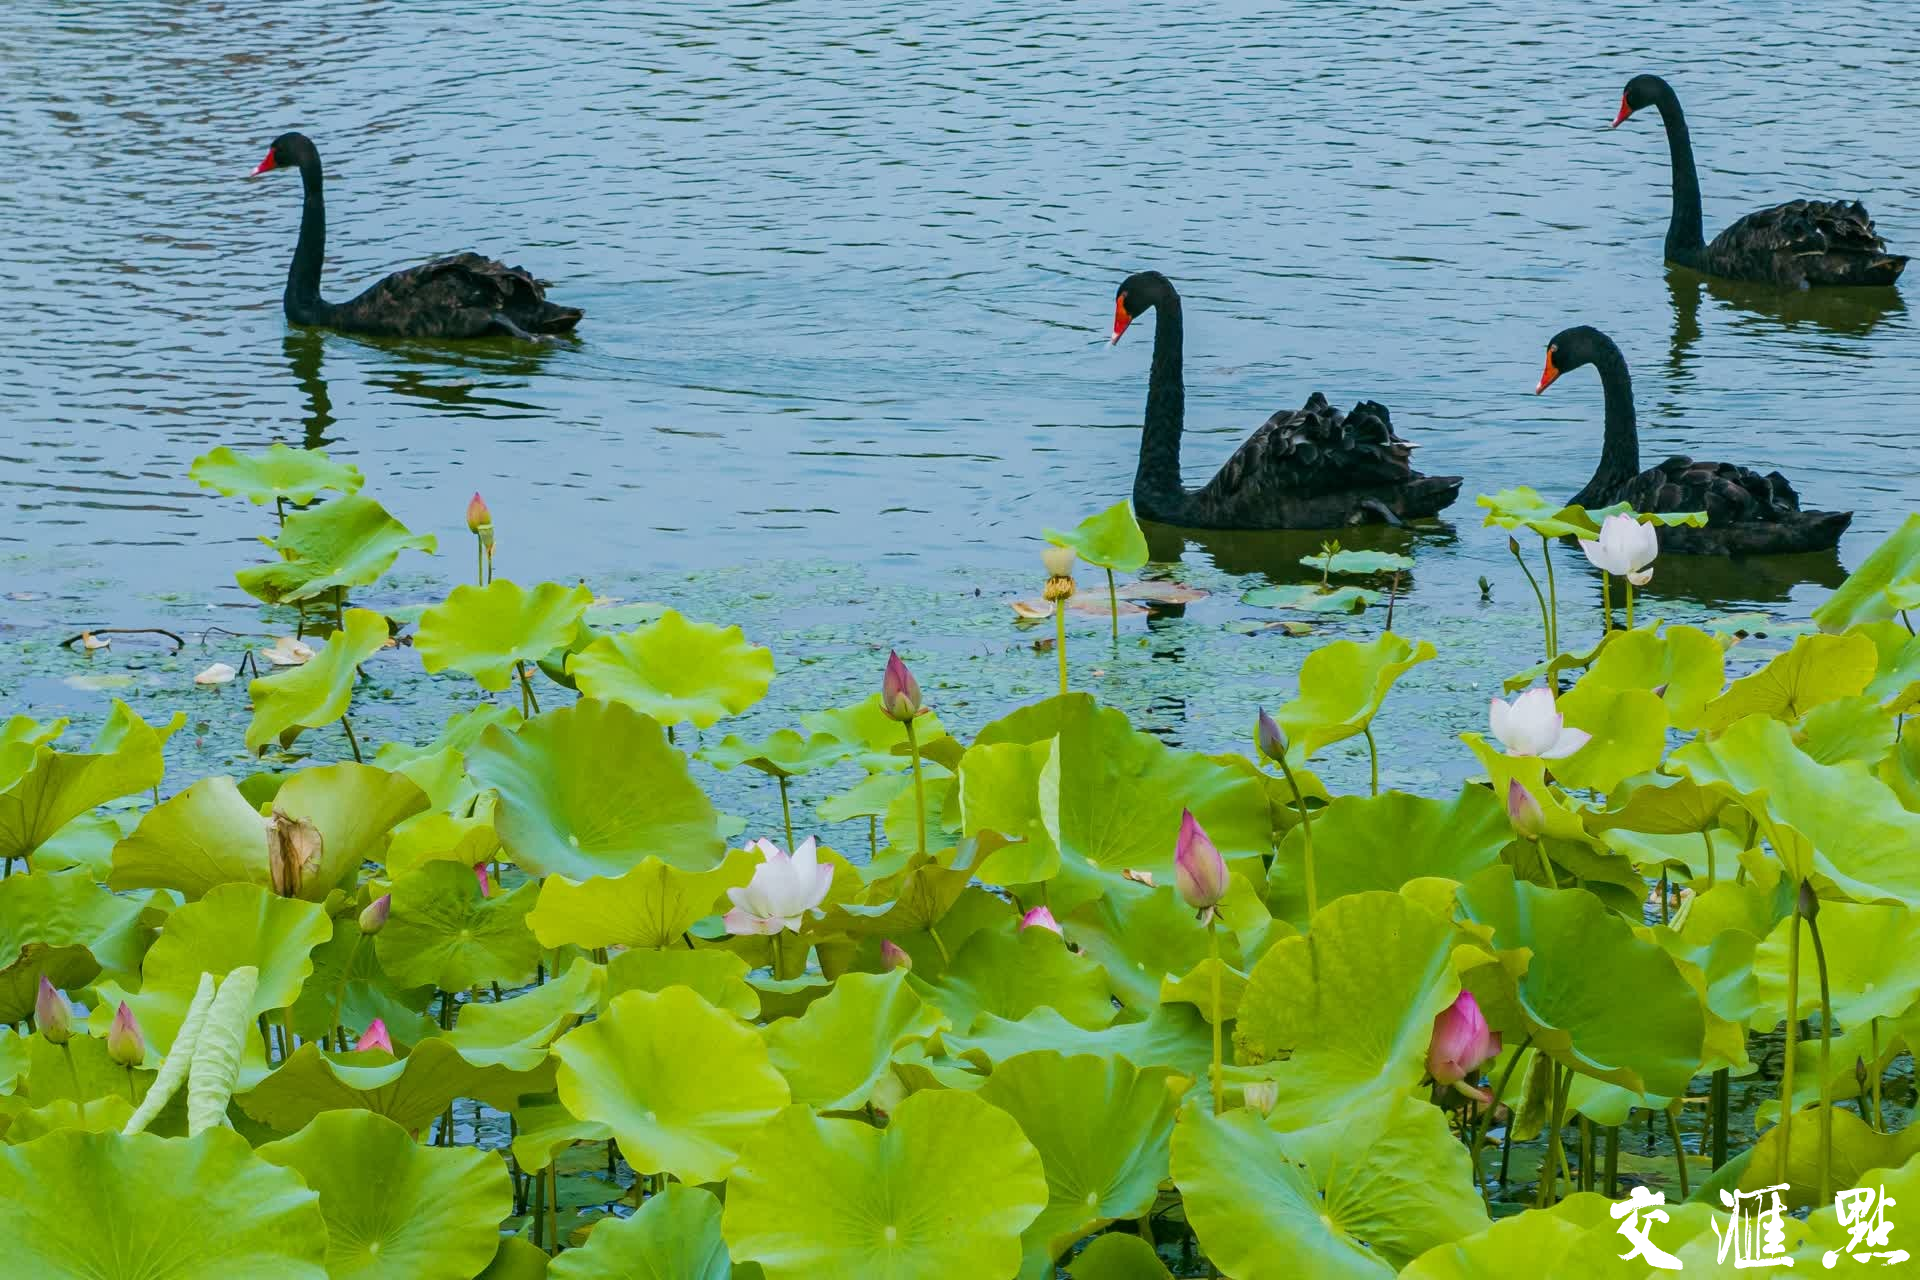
{"x": 1793, "y": 1028}
{"x": 530, "y": 705}
{"x": 919, "y": 785}
{"x": 479, "y": 560}
{"x": 1711, "y": 876}
{"x": 1373, "y": 759}
{"x": 352, "y": 741}
{"x": 1553, "y": 598}
{"x": 539, "y": 1208}
{"x": 1679, "y": 1148}
{"x": 1561, "y": 1083}
{"x": 1306, "y": 834}
{"x": 939, "y": 946}
{"x": 1613, "y": 1161}
{"x": 1606, "y": 601}
{"x": 1879, "y": 1117}
{"x": 131, "y": 1095}
{"x": 553, "y": 1204}
{"x": 66, "y": 1051}
{"x": 1586, "y": 1154}
{"x": 786, "y": 809}
{"x": 1546, "y": 619}
{"x": 1717, "y": 1099}
{"x": 1060, "y": 640}
{"x": 1219, "y": 1078}
{"x": 1113, "y": 604}
{"x": 1486, "y": 1122}
{"x": 1629, "y": 586}
{"x": 1826, "y": 1063}
{"x": 1666, "y": 914}
{"x": 873, "y": 835}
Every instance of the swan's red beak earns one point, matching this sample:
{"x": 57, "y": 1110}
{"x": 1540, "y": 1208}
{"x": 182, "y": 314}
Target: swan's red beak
{"x": 1625, "y": 111}
{"x": 1548, "y": 374}
{"x": 264, "y": 166}
{"x": 1120, "y": 320}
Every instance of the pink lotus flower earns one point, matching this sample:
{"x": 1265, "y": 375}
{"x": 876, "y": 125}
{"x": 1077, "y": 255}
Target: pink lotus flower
{"x": 1528, "y": 818}
{"x": 899, "y": 691}
{"x": 894, "y": 956}
{"x": 480, "y": 874}
{"x": 1199, "y": 872}
{"x": 783, "y": 890}
{"x": 1531, "y": 725}
{"x": 1461, "y": 1045}
{"x": 125, "y": 1044}
{"x": 1040, "y": 918}
{"x": 51, "y": 1014}
{"x": 375, "y": 1037}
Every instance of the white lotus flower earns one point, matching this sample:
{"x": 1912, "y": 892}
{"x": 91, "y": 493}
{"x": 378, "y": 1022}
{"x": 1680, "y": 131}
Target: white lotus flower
{"x": 1626, "y": 547}
{"x": 218, "y": 673}
{"x": 783, "y": 889}
{"x": 288, "y": 652}
{"x": 1532, "y": 726}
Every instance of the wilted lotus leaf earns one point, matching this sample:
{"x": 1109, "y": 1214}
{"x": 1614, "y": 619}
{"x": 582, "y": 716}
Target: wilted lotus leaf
{"x": 650, "y": 906}
{"x": 63, "y": 925}
{"x": 1582, "y": 954}
{"x": 409, "y": 1091}
{"x": 680, "y": 1083}
{"x": 782, "y": 754}
{"x": 348, "y": 988}
{"x": 1351, "y": 1004}
{"x": 1363, "y": 843}
{"x": 1359, "y": 1195}
{"x": 1310, "y": 597}
{"x": 676, "y": 670}
{"x": 1175, "y": 1036}
{"x": 1139, "y": 936}
{"x": 1118, "y": 1257}
{"x": 1629, "y": 728}
{"x": 591, "y": 790}
{"x": 834, "y": 1054}
{"x": 319, "y": 692}
{"x": 716, "y": 976}
{"x": 1009, "y": 975}
{"x": 52, "y": 788}
{"x": 444, "y": 933}
{"x": 1101, "y": 1127}
{"x": 487, "y": 632}
{"x": 1564, "y": 1241}
{"x": 1864, "y": 596}
{"x": 1111, "y": 540}
{"x": 515, "y": 1033}
{"x": 157, "y": 1209}
{"x": 429, "y": 1210}
{"x": 1359, "y": 562}
{"x": 1341, "y": 688}
{"x": 1685, "y": 664}
{"x": 879, "y": 741}
{"x": 348, "y": 542}
{"x": 944, "y": 1190}
{"x": 294, "y": 475}
{"x": 1819, "y": 668}
{"x": 675, "y": 1235}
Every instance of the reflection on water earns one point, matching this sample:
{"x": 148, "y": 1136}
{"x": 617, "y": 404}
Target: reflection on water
{"x": 305, "y": 350}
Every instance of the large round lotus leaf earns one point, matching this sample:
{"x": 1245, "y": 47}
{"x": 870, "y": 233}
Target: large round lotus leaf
{"x": 348, "y": 988}
{"x": 1863, "y": 596}
{"x": 1175, "y": 1036}
{"x": 682, "y": 1084}
{"x": 718, "y": 977}
{"x": 489, "y": 631}
{"x": 1629, "y": 728}
{"x": 294, "y": 475}
{"x": 675, "y": 670}
{"x": 1819, "y": 668}
{"x": 1685, "y": 664}
{"x": 1111, "y": 540}
{"x": 1838, "y": 820}
{"x": 782, "y": 753}
{"x": 106, "y": 1114}
{"x": 1870, "y": 974}
{"x": 871, "y": 797}
{"x": 879, "y": 741}
{"x": 456, "y": 737}
{"x": 396, "y": 1210}
{"x": 1583, "y": 957}
{"x": 590, "y": 790}
{"x": 1101, "y": 1128}
{"x": 1364, "y": 843}
{"x": 1361, "y": 1195}
{"x": 1198, "y": 986}
{"x": 108, "y": 1207}
{"x": 349, "y": 542}
{"x": 1138, "y": 936}
{"x": 1856, "y": 728}
{"x": 1857, "y": 1148}
{"x": 1009, "y": 975}
{"x": 516, "y": 1259}
{"x": 1114, "y": 1256}
{"x": 650, "y": 906}
{"x": 1358, "y": 563}
{"x": 64, "y": 925}
{"x": 547, "y": 1129}
{"x": 674, "y": 1236}
{"x": 1342, "y": 686}
{"x": 1350, "y": 1003}
{"x": 1310, "y": 597}
{"x": 515, "y": 1033}
{"x": 409, "y": 1091}
{"x": 444, "y": 933}
{"x": 1663, "y": 806}
{"x": 52, "y": 788}
{"x": 318, "y": 693}
{"x": 85, "y": 844}
{"x": 836, "y": 1053}
{"x": 444, "y": 837}
{"x": 1896, "y": 678}
{"x": 1562, "y": 1242}
{"x": 945, "y": 1190}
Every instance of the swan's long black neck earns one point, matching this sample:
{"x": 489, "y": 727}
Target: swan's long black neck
{"x": 1620, "y": 455}
{"x": 303, "y": 302}
{"x": 1685, "y": 241}
{"x": 1157, "y": 490}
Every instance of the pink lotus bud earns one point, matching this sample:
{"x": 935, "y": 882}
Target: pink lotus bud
{"x": 1272, "y": 738}
{"x": 374, "y": 918}
{"x": 375, "y": 1037}
{"x": 1528, "y": 818}
{"x": 893, "y": 956}
{"x": 1040, "y": 918}
{"x": 125, "y": 1044}
{"x": 899, "y": 691}
{"x": 480, "y": 874}
{"x": 51, "y": 1014}
{"x": 1199, "y": 872}
{"x": 478, "y": 517}
{"x": 1461, "y": 1045}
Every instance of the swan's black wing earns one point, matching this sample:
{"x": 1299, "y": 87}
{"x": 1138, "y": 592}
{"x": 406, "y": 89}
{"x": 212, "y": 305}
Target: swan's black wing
{"x": 462, "y": 296}
{"x": 1813, "y": 242}
{"x": 1747, "y": 513}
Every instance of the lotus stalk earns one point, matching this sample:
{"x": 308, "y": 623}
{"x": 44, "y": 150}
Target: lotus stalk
{"x": 480, "y": 525}
{"x": 1792, "y": 1035}
{"x": 900, "y": 700}
{"x": 1717, "y": 1101}
{"x": 1679, "y": 1147}
{"x": 1487, "y": 1118}
{"x": 1546, "y": 619}
{"x": 1879, "y": 1115}
{"x": 1809, "y": 907}
{"x": 1059, "y": 590}
{"x": 1273, "y": 744}
{"x": 1561, "y": 1083}
{"x": 1113, "y": 603}
{"x": 1553, "y": 600}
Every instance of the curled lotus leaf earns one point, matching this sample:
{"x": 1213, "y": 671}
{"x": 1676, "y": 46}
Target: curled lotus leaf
{"x": 516, "y": 1033}
{"x": 348, "y": 542}
{"x": 1175, "y": 1036}
{"x": 489, "y": 632}
{"x": 781, "y": 754}
{"x": 676, "y": 670}
{"x": 52, "y": 788}
{"x": 1139, "y": 936}
{"x": 1629, "y": 735}
{"x": 675, "y": 1235}
{"x": 1342, "y": 686}
{"x": 1684, "y": 665}
{"x": 1565, "y": 1240}
{"x": 443, "y": 932}
{"x": 318, "y": 693}
{"x": 653, "y": 905}
{"x": 1857, "y": 1148}
{"x": 1522, "y": 508}
{"x": 349, "y": 988}
{"x": 66, "y": 927}
{"x": 1817, "y": 669}
{"x": 835, "y": 1054}
{"x": 1869, "y": 961}
{"x": 409, "y": 1091}
{"x": 1111, "y": 539}
{"x": 277, "y": 473}
{"x": 1888, "y": 573}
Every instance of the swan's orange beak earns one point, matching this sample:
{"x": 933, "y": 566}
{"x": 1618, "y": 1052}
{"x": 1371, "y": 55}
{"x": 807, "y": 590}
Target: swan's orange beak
{"x": 1625, "y": 111}
{"x": 264, "y": 166}
{"x": 1548, "y": 374}
{"x": 1120, "y": 320}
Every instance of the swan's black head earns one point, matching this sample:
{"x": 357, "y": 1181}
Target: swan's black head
{"x": 289, "y": 151}
{"x": 1138, "y": 294}
{"x": 1572, "y": 348}
{"x": 1641, "y": 91}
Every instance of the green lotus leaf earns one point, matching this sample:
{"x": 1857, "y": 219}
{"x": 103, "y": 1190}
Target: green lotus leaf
{"x": 871, "y": 797}
{"x": 444, "y": 933}
{"x": 1856, "y": 728}
{"x": 1582, "y": 954}
{"x": 1118, "y": 1257}
{"x": 1009, "y": 975}
{"x": 55, "y": 787}
{"x": 1309, "y": 596}
{"x": 591, "y": 790}
{"x": 1175, "y": 1036}
{"x": 1863, "y": 597}
{"x": 681, "y": 1084}
{"x": 443, "y": 837}
{"x": 652, "y": 905}
{"x": 1521, "y": 507}
{"x": 66, "y": 927}
{"x": 348, "y": 542}
{"x": 1900, "y": 1183}
{"x": 427, "y": 1210}
{"x": 1139, "y": 936}
{"x": 1342, "y": 686}
{"x": 1111, "y": 540}
{"x": 516, "y": 1259}
{"x": 318, "y": 693}
{"x": 1101, "y": 1128}
{"x": 674, "y": 1236}
{"x": 676, "y": 670}
{"x": 1629, "y": 728}
{"x": 1857, "y": 1148}
{"x": 836, "y": 1053}
{"x": 409, "y": 1091}
{"x": 782, "y": 754}
{"x": 427, "y": 765}
{"x": 1819, "y": 668}
{"x": 1359, "y": 562}
{"x": 1360, "y": 1195}
{"x": 1870, "y": 969}
{"x": 488, "y": 632}
{"x": 1565, "y": 1242}
{"x": 1197, "y": 987}
{"x": 1004, "y": 789}
{"x": 1686, "y": 665}
{"x": 156, "y": 1209}
{"x": 85, "y": 844}
{"x": 1364, "y": 843}
{"x": 20, "y": 734}
{"x": 944, "y": 1190}
{"x": 547, "y": 1129}
{"x": 107, "y": 1114}
{"x": 879, "y": 741}
{"x": 1662, "y": 806}
{"x": 516, "y": 1033}
{"x": 1351, "y": 1004}
{"x": 280, "y": 473}
{"x": 1896, "y": 679}
{"x": 349, "y": 989}
{"x": 716, "y": 976}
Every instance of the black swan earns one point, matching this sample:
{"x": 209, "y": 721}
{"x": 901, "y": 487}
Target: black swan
{"x": 462, "y": 296}
{"x": 1800, "y": 243}
{"x": 1309, "y": 468}
{"x": 1747, "y": 513}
